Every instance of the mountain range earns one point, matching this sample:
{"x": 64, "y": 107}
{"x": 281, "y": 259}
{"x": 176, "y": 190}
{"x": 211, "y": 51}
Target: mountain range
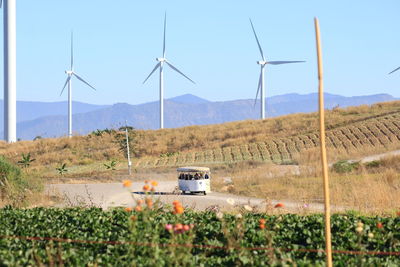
{"x": 49, "y": 119}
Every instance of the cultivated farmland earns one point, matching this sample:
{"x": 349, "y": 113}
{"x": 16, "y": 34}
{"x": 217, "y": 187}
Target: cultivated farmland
{"x": 90, "y": 237}
{"x": 375, "y": 134}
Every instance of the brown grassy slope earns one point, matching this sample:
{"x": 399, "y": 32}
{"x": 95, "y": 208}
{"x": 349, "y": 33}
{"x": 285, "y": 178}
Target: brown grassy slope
{"x": 355, "y": 138}
{"x": 195, "y": 143}
{"x": 370, "y": 188}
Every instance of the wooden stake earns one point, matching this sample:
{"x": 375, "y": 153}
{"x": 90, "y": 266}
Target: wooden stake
{"x": 328, "y": 243}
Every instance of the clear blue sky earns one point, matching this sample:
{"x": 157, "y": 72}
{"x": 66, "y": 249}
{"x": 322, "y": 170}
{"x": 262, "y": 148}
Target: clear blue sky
{"x": 116, "y": 43}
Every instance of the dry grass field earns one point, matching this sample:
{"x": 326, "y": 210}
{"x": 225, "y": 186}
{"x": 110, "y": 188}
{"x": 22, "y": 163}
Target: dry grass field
{"x": 351, "y": 132}
{"x": 373, "y": 188}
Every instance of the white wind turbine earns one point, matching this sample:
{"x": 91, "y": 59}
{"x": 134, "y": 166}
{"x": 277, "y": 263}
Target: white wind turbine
{"x": 70, "y": 74}
{"x": 10, "y": 70}
{"x": 262, "y": 64}
{"x": 394, "y": 70}
{"x": 160, "y": 65}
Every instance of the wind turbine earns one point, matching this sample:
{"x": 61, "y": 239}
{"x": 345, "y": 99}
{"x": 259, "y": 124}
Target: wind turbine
{"x": 394, "y": 70}
{"x": 160, "y": 65}
{"x": 70, "y": 73}
{"x": 10, "y": 70}
{"x": 263, "y": 64}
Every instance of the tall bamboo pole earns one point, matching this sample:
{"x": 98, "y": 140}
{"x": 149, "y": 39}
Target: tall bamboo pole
{"x": 328, "y": 244}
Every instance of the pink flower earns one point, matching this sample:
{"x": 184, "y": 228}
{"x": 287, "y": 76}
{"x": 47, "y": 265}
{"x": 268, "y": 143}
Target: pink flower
{"x": 186, "y": 227}
{"x": 168, "y": 227}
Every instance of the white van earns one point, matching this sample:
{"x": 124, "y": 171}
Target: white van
{"x": 194, "y": 179}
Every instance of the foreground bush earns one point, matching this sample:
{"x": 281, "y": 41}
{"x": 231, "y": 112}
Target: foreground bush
{"x": 161, "y": 238}
{"x": 16, "y": 186}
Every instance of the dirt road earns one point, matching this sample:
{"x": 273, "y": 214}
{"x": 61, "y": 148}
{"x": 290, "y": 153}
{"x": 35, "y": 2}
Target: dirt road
{"x": 379, "y": 156}
{"x": 108, "y": 195}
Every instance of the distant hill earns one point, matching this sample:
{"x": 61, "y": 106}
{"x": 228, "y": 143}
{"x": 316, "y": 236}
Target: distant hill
{"x": 179, "y": 111}
{"x": 28, "y": 110}
{"x": 294, "y": 103}
{"x": 189, "y": 99}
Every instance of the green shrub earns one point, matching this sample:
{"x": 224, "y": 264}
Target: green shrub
{"x": 345, "y": 166}
{"x": 373, "y": 164}
{"x": 15, "y": 185}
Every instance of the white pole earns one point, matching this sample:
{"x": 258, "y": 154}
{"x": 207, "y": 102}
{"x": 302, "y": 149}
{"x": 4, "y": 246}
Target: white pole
{"x": 10, "y": 77}
{"x": 127, "y": 148}
{"x": 262, "y": 93}
{"x": 161, "y": 97}
{"x": 70, "y": 107}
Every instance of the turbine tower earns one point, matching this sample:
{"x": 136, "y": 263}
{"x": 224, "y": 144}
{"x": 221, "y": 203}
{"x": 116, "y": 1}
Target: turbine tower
{"x": 394, "y": 70}
{"x": 10, "y": 70}
{"x": 70, "y": 73}
{"x": 160, "y": 65}
{"x": 263, "y": 64}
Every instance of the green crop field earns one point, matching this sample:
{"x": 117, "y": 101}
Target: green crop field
{"x": 90, "y": 237}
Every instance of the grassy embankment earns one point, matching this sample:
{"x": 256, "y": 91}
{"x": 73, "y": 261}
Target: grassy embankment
{"x": 354, "y": 131}
{"x": 17, "y": 188}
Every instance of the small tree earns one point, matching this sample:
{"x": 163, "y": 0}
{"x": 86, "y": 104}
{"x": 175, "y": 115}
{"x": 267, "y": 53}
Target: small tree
{"x": 120, "y": 140}
{"x": 26, "y": 160}
{"x": 62, "y": 169}
{"x": 111, "y": 165}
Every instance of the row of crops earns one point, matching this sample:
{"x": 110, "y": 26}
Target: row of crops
{"x": 250, "y": 239}
{"x": 375, "y": 132}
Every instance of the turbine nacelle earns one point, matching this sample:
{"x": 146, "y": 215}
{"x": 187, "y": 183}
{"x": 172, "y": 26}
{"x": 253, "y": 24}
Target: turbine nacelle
{"x": 262, "y": 62}
{"x": 161, "y": 59}
{"x": 69, "y": 72}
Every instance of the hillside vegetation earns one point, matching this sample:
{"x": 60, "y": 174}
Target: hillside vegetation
{"x": 353, "y": 131}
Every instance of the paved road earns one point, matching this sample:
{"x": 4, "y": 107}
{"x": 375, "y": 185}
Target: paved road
{"x": 107, "y": 195}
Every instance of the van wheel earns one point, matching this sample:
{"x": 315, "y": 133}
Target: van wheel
{"x": 204, "y": 192}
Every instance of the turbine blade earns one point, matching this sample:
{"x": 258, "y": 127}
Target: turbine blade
{"x": 1, "y": 3}
{"x": 156, "y": 67}
{"x": 66, "y": 82}
{"x": 283, "y": 62}
{"x": 258, "y": 43}
{"x": 72, "y": 50}
{"x": 165, "y": 27}
{"x": 258, "y": 89}
{"x": 82, "y": 80}
{"x": 175, "y": 69}
{"x": 394, "y": 70}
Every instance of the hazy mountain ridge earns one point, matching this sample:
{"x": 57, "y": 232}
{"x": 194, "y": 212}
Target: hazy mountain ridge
{"x": 180, "y": 111}
{"x": 29, "y": 110}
